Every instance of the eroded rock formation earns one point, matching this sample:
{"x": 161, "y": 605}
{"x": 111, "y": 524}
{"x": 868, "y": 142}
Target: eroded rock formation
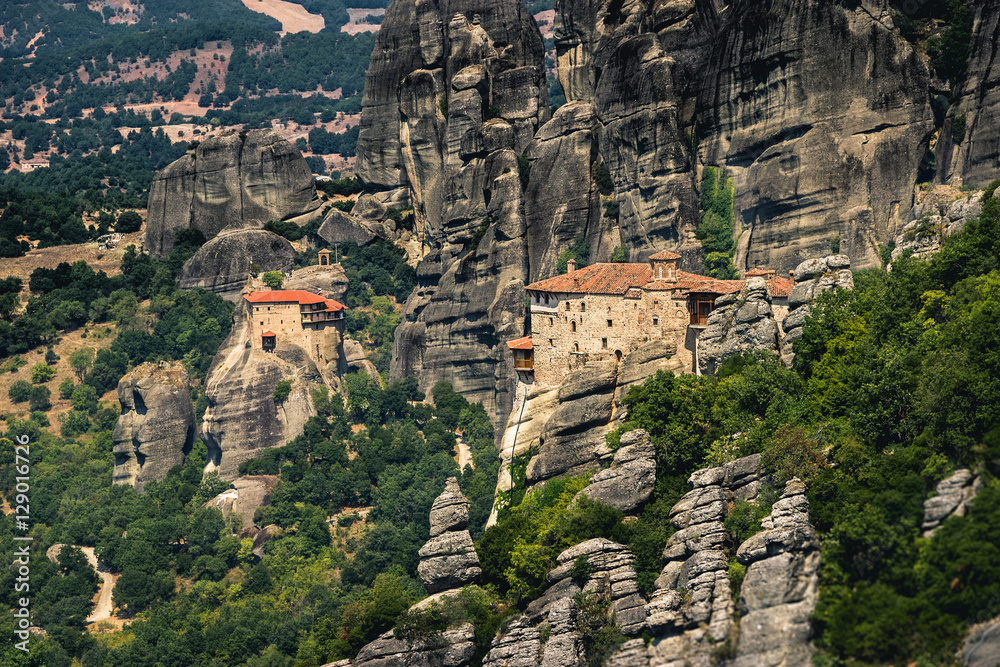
{"x": 952, "y": 498}
{"x": 156, "y": 427}
{"x": 452, "y": 648}
{"x": 245, "y": 496}
{"x": 740, "y": 323}
{"x": 448, "y": 560}
{"x": 629, "y": 481}
{"x": 812, "y": 278}
{"x": 932, "y": 222}
{"x": 230, "y": 181}
{"x": 223, "y": 264}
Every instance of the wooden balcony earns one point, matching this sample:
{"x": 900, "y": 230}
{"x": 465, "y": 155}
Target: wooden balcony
{"x": 524, "y": 365}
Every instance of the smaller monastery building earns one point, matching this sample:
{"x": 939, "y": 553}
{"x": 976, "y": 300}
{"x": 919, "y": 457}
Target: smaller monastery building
{"x": 604, "y": 311}
{"x": 296, "y": 317}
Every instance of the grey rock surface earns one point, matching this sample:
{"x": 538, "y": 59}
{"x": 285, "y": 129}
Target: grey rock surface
{"x": 518, "y": 647}
{"x": 340, "y": 227}
{"x": 330, "y": 278}
{"x": 981, "y": 647}
{"x": 923, "y": 236}
{"x": 450, "y": 510}
{"x": 452, "y": 648}
{"x": 448, "y": 561}
{"x": 156, "y": 428}
{"x": 746, "y": 325}
{"x": 837, "y": 152}
{"x": 229, "y": 181}
{"x": 953, "y": 496}
{"x": 223, "y": 264}
{"x": 245, "y": 496}
{"x": 976, "y": 159}
{"x": 630, "y": 480}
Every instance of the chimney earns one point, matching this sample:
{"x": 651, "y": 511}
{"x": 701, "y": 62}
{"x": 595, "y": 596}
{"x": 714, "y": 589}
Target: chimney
{"x": 571, "y": 265}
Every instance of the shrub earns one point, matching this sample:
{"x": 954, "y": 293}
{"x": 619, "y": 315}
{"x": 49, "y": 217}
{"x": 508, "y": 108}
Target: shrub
{"x": 41, "y": 399}
{"x": 273, "y": 279}
{"x": 620, "y": 255}
{"x": 128, "y": 222}
{"x": 84, "y": 398}
{"x": 66, "y": 388}
{"x": 20, "y": 391}
{"x": 602, "y": 177}
{"x": 743, "y": 522}
{"x": 42, "y": 373}
{"x": 792, "y": 454}
{"x": 282, "y": 390}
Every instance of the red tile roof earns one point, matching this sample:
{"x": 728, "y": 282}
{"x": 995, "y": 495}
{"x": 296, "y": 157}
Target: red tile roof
{"x": 756, "y": 272}
{"x": 302, "y": 297}
{"x": 665, "y": 254}
{"x": 520, "y": 343}
{"x": 626, "y": 279}
{"x": 268, "y": 334}
{"x": 597, "y": 279}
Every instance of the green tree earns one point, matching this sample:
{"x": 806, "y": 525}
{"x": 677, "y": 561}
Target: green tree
{"x": 84, "y": 398}
{"x": 273, "y": 279}
{"x": 41, "y": 399}
{"x": 81, "y": 361}
{"x": 42, "y": 373}
{"x": 19, "y": 391}
{"x": 66, "y": 388}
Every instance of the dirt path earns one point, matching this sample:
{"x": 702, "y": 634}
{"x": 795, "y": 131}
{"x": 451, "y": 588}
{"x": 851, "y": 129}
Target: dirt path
{"x": 464, "y": 452}
{"x": 293, "y": 17}
{"x": 103, "y": 606}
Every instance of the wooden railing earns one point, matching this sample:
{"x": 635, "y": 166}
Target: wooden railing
{"x": 524, "y": 364}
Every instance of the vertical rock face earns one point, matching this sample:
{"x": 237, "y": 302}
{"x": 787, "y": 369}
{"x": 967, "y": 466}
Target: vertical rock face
{"x": 815, "y": 109}
{"x": 452, "y": 648}
{"x": 638, "y": 64}
{"x": 454, "y": 92}
{"x": 740, "y": 323}
{"x": 629, "y": 482}
{"x": 976, "y": 159}
{"x": 229, "y": 181}
{"x": 156, "y": 427}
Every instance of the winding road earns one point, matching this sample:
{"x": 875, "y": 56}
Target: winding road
{"x": 104, "y": 605}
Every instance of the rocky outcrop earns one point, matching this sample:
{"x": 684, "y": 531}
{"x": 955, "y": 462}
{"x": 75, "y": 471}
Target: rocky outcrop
{"x": 630, "y": 480}
{"x": 242, "y": 418}
{"x": 981, "y": 647}
{"x": 518, "y": 647}
{"x": 453, "y": 95}
{"x": 452, "y": 648}
{"x": 952, "y": 498}
{"x": 739, "y": 324}
{"x": 245, "y": 496}
{"x": 781, "y": 587}
{"x": 821, "y": 115}
{"x": 563, "y": 427}
{"x": 156, "y": 428}
{"x": 812, "y": 278}
{"x": 223, "y": 265}
{"x": 340, "y": 227}
{"x": 976, "y": 158}
{"x": 331, "y": 279}
{"x": 448, "y": 560}
{"x": 933, "y": 222}
{"x": 230, "y": 181}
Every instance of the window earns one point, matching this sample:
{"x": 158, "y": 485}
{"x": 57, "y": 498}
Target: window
{"x": 567, "y": 305}
{"x": 609, "y": 324}
{"x": 656, "y": 304}
{"x": 550, "y": 343}
{"x": 576, "y": 347}
{"x": 550, "y": 321}
{"x": 262, "y": 322}
{"x": 583, "y": 306}
{"x": 604, "y": 343}
{"x": 656, "y": 321}
{"x": 661, "y": 272}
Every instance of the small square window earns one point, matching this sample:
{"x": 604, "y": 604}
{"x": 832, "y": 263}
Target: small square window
{"x": 583, "y": 307}
{"x": 550, "y": 343}
{"x": 656, "y": 321}
{"x": 604, "y": 343}
{"x": 567, "y": 305}
{"x": 609, "y": 323}
{"x": 262, "y": 322}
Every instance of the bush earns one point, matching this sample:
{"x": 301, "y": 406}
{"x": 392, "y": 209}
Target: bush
{"x": 20, "y": 391}
{"x": 273, "y": 279}
{"x": 66, "y": 388}
{"x": 128, "y": 222}
{"x": 620, "y": 255}
{"x": 282, "y": 390}
{"x": 602, "y": 177}
{"x": 41, "y": 399}
{"x": 42, "y": 373}
{"x": 84, "y": 398}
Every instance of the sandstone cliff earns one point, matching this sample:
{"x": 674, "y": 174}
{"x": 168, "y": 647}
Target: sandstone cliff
{"x": 156, "y": 428}
{"x": 229, "y": 181}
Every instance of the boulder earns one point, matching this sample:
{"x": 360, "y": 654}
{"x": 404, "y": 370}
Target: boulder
{"x": 746, "y": 325}
{"x": 517, "y": 647}
{"x": 981, "y": 647}
{"x": 450, "y": 510}
{"x": 223, "y": 264}
{"x": 454, "y": 647}
{"x": 448, "y": 560}
{"x": 340, "y": 227}
{"x": 156, "y": 428}
{"x": 330, "y": 278}
{"x": 230, "y": 181}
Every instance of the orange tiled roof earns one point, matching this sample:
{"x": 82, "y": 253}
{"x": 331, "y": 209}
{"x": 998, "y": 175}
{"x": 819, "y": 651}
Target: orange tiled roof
{"x": 268, "y": 334}
{"x": 597, "y": 279}
{"x": 665, "y": 254}
{"x": 756, "y": 272}
{"x": 302, "y": 297}
{"x": 780, "y": 287}
{"x": 520, "y": 343}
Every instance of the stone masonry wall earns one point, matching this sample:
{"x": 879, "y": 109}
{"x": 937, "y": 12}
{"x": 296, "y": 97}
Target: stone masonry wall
{"x": 285, "y": 319}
